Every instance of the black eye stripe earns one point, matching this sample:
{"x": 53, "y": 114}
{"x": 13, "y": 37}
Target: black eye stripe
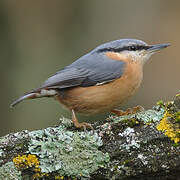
{"x": 129, "y": 48}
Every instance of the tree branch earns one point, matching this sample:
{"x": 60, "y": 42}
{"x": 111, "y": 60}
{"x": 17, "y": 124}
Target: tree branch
{"x": 143, "y": 145}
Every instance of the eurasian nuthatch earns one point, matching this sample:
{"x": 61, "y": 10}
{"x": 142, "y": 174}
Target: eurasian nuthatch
{"x": 99, "y": 81}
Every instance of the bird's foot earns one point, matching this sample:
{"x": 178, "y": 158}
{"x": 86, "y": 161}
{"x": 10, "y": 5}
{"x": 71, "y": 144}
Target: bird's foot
{"x": 79, "y": 125}
{"x": 83, "y": 125}
{"x": 128, "y": 111}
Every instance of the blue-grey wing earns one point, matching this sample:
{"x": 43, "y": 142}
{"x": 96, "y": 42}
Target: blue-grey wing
{"x": 89, "y": 70}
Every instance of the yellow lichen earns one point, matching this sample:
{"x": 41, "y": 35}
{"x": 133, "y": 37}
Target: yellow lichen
{"x": 59, "y": 177}
{"x": 29, "y": 161}
{"x": 39, "y": 175}
{"x": 169, "y": 128}
{"x": 26, "y": 161}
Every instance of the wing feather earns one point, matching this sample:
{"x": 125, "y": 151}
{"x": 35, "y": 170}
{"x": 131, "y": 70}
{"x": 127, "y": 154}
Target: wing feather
{"x": 89, "y": 70}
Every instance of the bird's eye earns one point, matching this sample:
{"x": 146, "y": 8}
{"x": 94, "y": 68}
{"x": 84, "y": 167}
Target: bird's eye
{"x": 132, "y": 48}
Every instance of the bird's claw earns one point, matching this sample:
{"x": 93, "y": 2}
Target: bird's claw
{"x": 128, "y": 111}
{"x": 79, "y": 125}
{"x": 83, "y": 125}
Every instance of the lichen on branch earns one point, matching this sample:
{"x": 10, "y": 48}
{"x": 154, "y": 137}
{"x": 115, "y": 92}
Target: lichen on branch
{"x": 142, "y": 144}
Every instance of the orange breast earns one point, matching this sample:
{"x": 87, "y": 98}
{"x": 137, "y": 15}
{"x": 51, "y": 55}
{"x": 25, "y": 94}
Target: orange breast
{"x": 103, "y": 98}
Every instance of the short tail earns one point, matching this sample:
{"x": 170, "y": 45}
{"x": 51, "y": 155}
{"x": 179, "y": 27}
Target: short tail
{"x": 33, "y": 95}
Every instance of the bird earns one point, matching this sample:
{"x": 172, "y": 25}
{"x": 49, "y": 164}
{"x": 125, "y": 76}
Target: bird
{"x": 100, "y": 81}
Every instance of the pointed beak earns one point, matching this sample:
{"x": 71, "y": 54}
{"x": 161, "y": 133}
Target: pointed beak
{"x": 157, "y": 47}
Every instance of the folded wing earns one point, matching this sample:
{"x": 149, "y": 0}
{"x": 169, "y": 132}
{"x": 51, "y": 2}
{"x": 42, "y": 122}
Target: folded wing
{"x": 86, "y": 71}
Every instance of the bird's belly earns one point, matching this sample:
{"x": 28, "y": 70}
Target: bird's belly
{"x": 103, "y": 98}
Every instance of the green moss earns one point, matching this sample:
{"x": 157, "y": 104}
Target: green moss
{"x": 160, "y": 103}
{"x": 126, "y": 162}
{"x": 175, "y": 144}
{"x": 130, "y": 122}
{"x": 69, "y": 153}
{"x": 176, "y": 116}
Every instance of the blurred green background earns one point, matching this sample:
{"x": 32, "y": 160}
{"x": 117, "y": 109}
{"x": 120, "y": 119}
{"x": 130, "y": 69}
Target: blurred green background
{"x": 39, "y": 38}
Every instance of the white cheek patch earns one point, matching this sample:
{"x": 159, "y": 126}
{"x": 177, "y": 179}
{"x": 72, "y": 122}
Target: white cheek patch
{"x": 137, "y": 55}
{"x": 45, "y": 92}
{"x": 134, "y": 55}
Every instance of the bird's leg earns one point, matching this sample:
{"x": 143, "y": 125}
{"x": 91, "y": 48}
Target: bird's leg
{"x": 78, "y": 125}
{"x": 128, "y": 111}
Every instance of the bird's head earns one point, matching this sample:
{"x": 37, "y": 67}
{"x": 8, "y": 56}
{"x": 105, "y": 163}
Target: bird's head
{"x": 133, "y": 49}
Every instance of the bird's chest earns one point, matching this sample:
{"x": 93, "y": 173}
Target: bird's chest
{"x": 126, "y": 86}
{"x": 102, "y": 98}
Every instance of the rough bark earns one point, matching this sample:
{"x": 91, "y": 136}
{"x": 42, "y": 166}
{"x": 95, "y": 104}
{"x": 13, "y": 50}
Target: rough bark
{"x": 144, "y": 145}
